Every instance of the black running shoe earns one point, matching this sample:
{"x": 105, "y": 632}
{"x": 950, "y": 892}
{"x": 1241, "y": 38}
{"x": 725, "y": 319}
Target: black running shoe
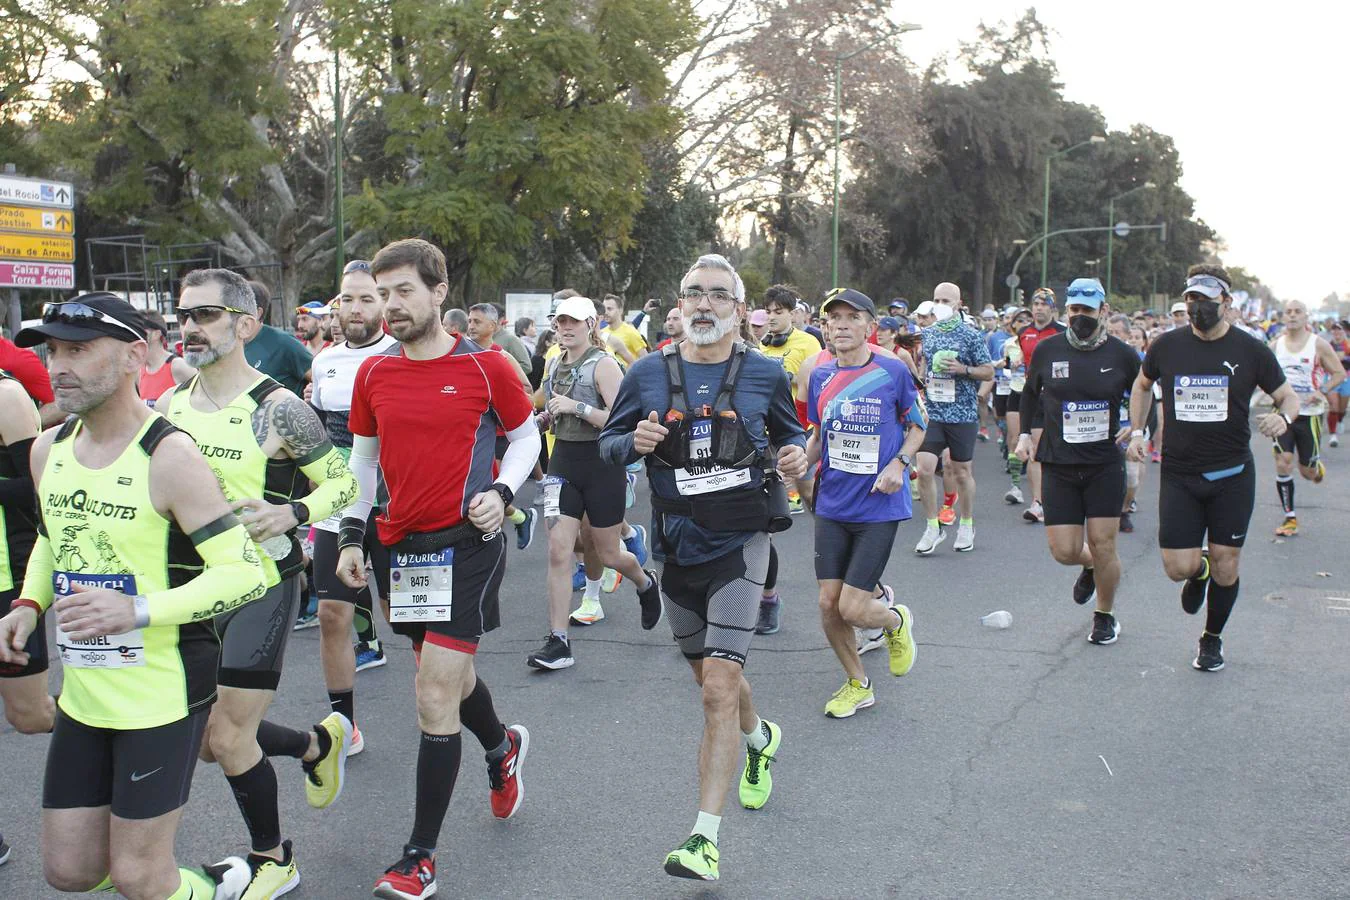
{"x": 4, "y": 851}
{"x": 1126, "y": 523}
{"x": 1194, "y": 590}
{"x": 769, "y": 616}
{"x": 1105, "y": 628}
{"x": 1209, "y": 658}
{"x": 1085, "y": 588}
{"x": 555, "y": 654}
{"x": 650, "y": 599}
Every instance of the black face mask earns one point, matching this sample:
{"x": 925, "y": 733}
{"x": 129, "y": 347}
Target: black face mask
{"x": 1205, "y": 314}
{"x": 1083, "y": 326}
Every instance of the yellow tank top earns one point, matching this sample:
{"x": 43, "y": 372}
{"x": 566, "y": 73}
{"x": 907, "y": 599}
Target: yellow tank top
{"x": 105, "y": 531}
{"x": 226, "y": 438}
{"x": 17, "y": 528}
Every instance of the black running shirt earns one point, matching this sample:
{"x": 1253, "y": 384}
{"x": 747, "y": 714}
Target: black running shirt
{"x": 1078, "y": 392}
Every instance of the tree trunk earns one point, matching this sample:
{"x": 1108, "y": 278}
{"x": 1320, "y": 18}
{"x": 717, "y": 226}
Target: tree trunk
{"x": 783, "y": 221}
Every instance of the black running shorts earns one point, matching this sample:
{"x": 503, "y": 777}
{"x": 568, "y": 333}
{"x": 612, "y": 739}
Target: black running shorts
{"x": 855, "y": 553}
{"x": 1304, "y": 437}
{"x": 713, "y": 605}
{"x": 587, "y": 485}
{"x": 1189, "y": 506}
{"x": 1072, "y": 494}
{"x": 958, "y": 437}
{"x": 36, "y": 648}
{"x": 1006, "y": 403}
{"x": 326, "y": 582}
{"x": 480, "y": 563}
{"x": 141, "y": 773}
{"x": 253, "y": 638}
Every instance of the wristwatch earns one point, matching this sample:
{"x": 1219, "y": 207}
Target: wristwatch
{"x": 583, "y": 409}
{"x": 904, "y": 460}
{"x": 1137, "y": 433}
{"x": 1288, "y": 421}
{"x": 504, "y": 492}
{"x": 300, "y": 510}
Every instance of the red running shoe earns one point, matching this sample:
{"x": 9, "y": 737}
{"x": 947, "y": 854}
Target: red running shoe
{"x": 508, "y": 790}
{"x": 411, "y": 878}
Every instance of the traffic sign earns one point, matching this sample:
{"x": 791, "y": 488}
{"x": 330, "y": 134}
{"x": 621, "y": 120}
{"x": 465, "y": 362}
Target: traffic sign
{"x": 33, "y": 247}
{"x": 53, "y": 276}
{"x": 35, "y": 220}
{"x": 1012, "y": 281}
{"x": 1122, "y": 229}
{"x": 37, "y": 192}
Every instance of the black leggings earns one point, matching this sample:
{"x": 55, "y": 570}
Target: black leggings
{"x": 771, "y": 580}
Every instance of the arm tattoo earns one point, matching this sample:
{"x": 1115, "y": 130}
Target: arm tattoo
{"x": 298, "y": 426}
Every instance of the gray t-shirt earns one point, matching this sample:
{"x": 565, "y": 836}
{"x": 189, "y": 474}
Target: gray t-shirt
{"x": 507, "y": 340}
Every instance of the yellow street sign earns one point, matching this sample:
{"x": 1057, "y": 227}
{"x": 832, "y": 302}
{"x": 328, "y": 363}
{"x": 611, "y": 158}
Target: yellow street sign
{"x": 38, "y": 221}
{"x": 37, "y": 247}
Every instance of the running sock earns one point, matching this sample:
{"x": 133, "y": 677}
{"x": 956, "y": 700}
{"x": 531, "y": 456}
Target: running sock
{"x": 1016, "y": 475}
{"x": 194, "y": 885}
{"x": 1284, "y": 486}
{"x": 1221, "y": 599}
{"x": 437, "y": 768}
{"x": 966, "y": 520}
{"x": 477, "y": 714}
{"x": 866, "y": 682}
{"x": 256, "y": 793}
{"x": 278, "y": 740}
{"x": 707, "y": 824}
{"x": 771, "y": 600}
{"x": 560, "y": 635}
{"x": 343, "y": 702}
{"x": 757, "y": 738}
{"x": 932, "y": 523}
{"x": 592, "y": 591}
{"x": 517, "y": 517}
{"x": 363, "y": 619}
{"x": 627, "y": 532}
{"x": 771, "y": 579}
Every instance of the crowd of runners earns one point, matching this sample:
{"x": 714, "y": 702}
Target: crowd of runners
{"x": 178, "y": 515}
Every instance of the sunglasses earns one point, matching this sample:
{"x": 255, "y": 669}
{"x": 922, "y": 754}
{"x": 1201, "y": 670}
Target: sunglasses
{"x": 1208, "y": 281}
{"x": 1084, "y": 292}
{"x": 204, "y": 315}
{"x": 356, "y": 265}
{"x": 82, "y": 314}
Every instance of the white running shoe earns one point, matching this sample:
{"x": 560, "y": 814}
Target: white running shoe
{"x": 870, "y": 639}
{"x": 965, "y": 538}
{"x": 1034, "y": 512}
{"x": 358, "y": 742}
{"x": 1335, "y": 441}
{"x": 932, "y": 536}
{"x": 1014, "y": 496}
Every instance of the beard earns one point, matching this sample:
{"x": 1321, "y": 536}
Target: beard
{"x": 704, "y": 331}
{"x": 211, "y": 353}
{"x": 410, "y": 330}
{"x": 310, "y": 333}
{"x": 360, "y": 334}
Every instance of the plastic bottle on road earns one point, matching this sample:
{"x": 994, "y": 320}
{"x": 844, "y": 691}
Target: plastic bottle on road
{"x": 998, "y": 619}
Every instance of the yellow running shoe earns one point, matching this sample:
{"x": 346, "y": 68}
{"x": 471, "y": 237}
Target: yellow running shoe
{"x": 849, "y": 699}
{"x": 1319, "y": 472}
{"x": 271, "y": 878}
{"x": 900, "y": 642}
{"x": 324, "y": 776}
{"x": 695, "y": 858}
{"x": 756, "y": 782}
{"x": 1289, "y": 528}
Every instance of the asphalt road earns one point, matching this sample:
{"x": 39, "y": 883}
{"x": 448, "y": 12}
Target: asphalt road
{"x": 1015, "y": 763}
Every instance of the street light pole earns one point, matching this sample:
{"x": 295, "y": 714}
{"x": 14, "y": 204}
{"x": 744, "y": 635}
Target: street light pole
{"x": 1111, "y": 220}
{"x": 1045, "y": 205}
{"x": 838, "y": 114}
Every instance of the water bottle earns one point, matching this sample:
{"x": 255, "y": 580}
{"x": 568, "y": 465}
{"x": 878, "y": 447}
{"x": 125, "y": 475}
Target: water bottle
{"x": 998, "y": 619}
{"x": 277, "y": 548}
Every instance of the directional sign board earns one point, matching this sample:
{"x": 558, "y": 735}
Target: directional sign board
{"x": 35, "y": 220}
{"x": 51, "y": 276}
{"x": 36, "y": 248}
{"x": 36, "y": 192}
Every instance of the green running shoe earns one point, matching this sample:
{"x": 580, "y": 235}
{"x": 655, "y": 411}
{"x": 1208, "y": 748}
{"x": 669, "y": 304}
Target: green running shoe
{"x": 756, "y": 782}
{"x": 849, "y": 699}
{"x": 695, "y": 858}
{"x": 325, "y": 775}
{"x": 900, "y": 642}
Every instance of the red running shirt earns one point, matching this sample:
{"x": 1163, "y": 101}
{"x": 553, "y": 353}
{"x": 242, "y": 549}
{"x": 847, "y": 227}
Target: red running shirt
{"x": 1030, "y": 336}
{"x": 436, "y": 420}
{"x": 28, "y": 370}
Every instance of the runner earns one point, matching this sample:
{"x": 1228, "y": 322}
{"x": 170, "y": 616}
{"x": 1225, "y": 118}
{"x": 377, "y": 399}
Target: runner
{"x": 438, "y": 398}
{"x": 864, "y": 404}
{"x": 956, "y": 359}
{"x": 674, "y": 328}
{"x": 1120, "y": 328}
{"x": 616, "y": 326}
{"x": 705, "y": 413}
{"x": 275, "y": 352}
{"x": 1076, "y": 381}
{"x": 1043, "y": 325}
{"x": 1314, "y": 372}
{"x": 1008, "y": 397}
{"x": 1208, "y": 373}
{"x": 579, "y": 391}
{"x": 162, "y": 370}
{"x": 361, "y": 313}
{"x": 1340, "y": 401}
{"x": 134, "y": 577}
{"x": 263, "y": 443}
{"x": 311, "y": 325}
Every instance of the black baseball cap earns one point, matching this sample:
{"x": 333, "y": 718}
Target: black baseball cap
{"x": 855, "y": 299}
{"x": 84, "y": 318}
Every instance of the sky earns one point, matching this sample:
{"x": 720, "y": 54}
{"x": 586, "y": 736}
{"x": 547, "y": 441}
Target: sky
{"x": 1254, "y": 95}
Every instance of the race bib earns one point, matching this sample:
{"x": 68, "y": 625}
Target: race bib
{"x": 109, "y": 651}
{"x": 1201, "y": 398}
{"x": 704, "y": 478}
{"x": 1019, "y": 380}
{"x": 1086, "y": 421}
{"x": 1002, "y": 383}
{"x": 942, "y": 388}
{"x": 419, "y": 586}
{"x": 855, "y": 452}
{"x": 552, "y": 492}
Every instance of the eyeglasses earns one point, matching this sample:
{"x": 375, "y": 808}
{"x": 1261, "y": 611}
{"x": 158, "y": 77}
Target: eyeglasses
{"x": 717, "y": 296}
{"x": 82, "y": 314}
{"x": 204, "y": 315}
{"x": 356, "y": 265}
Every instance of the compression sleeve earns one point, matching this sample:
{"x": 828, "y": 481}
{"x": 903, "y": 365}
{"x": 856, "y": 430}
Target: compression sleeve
{"x": 336, "y": 486}
{"x": 17, "y": 492}
{"x": 521, "y": 455}
{"x": 365, "y": 468}
{"x": 616, "y": 439}
{"x": 231, "y": 577}
{"x": 37, "y": 580}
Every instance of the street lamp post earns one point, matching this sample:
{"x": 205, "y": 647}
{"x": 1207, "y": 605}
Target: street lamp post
{"x": 1045, "y": 206}
{"x": 1111, "y": 220}
{"x": 838, "y": 103}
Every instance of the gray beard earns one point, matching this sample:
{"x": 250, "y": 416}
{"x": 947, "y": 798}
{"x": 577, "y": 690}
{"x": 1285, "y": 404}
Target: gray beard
{"x": 702, "y": 337}
{"x": 200, "y": 359}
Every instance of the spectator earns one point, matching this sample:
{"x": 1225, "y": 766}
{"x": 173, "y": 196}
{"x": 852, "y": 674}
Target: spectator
{"x": 525, "y": 330}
